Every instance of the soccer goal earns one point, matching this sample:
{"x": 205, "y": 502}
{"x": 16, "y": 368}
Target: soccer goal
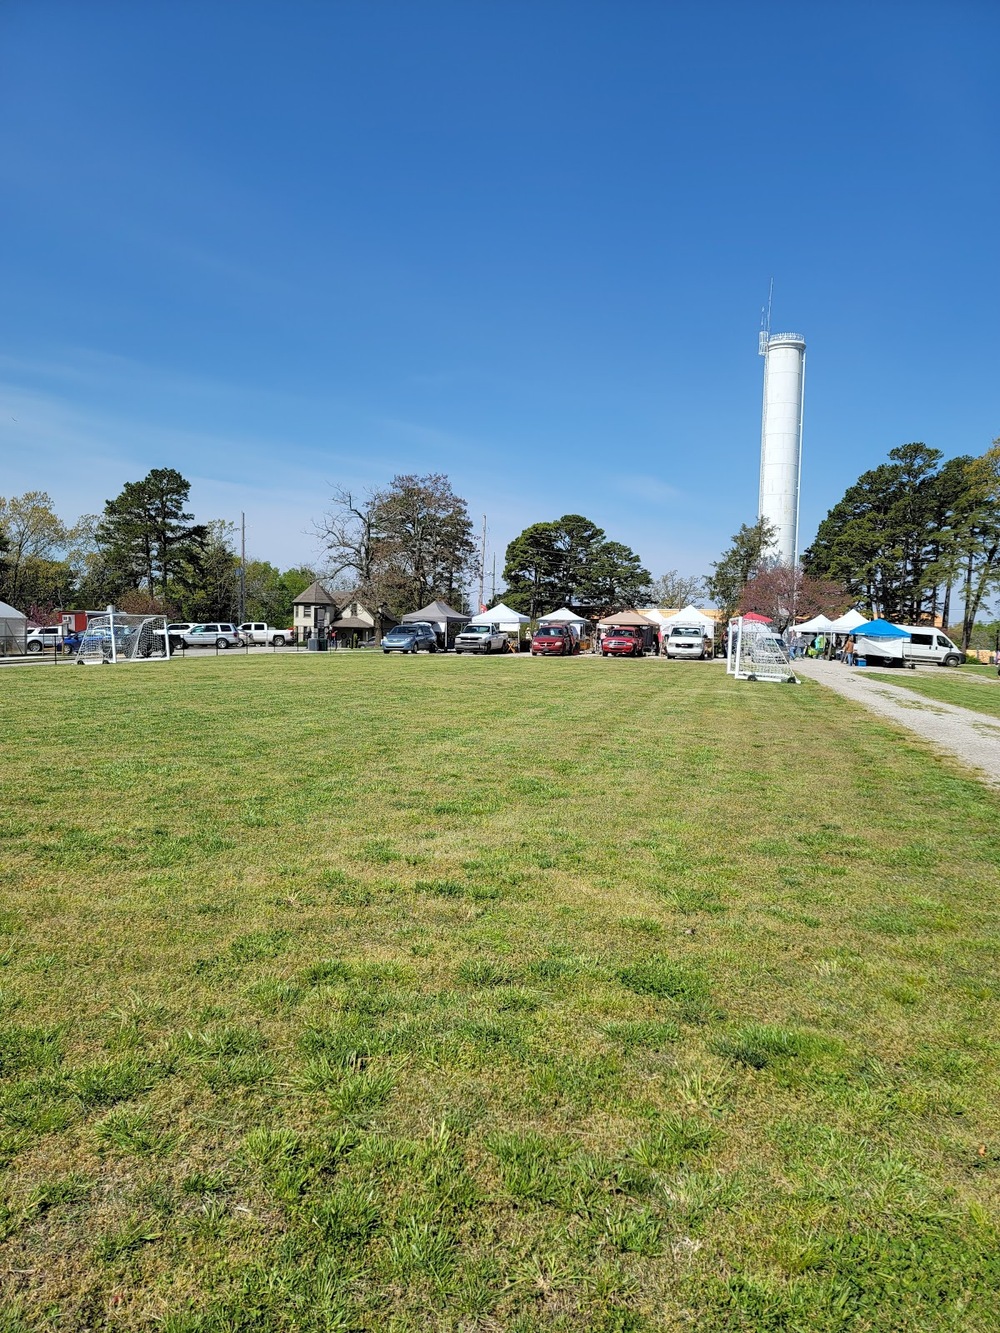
{"x": 117, "y": 637}
{"x": 756, "y": 653}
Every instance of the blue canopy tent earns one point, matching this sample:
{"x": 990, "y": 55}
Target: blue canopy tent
{"x": 880, "y": 642}
{"x": 880, "y": 629}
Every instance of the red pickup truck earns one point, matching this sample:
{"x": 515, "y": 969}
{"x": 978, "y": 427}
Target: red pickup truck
{"x": 622, "y": 641}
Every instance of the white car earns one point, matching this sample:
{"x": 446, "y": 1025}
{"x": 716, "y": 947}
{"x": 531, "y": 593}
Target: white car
{"x": 48, "y": 639}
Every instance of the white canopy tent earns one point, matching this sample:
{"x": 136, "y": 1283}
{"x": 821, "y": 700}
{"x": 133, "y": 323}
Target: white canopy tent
{"x": 564, "y": 616}
{"x": 848, "y": 622}
{"x": 818, "y": 625}
{"x": 690, "y": 615}
{"x": 509, "y": 620}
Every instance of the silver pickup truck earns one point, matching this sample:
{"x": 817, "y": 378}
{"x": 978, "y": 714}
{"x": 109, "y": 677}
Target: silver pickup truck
{"x": 481, "y": 639}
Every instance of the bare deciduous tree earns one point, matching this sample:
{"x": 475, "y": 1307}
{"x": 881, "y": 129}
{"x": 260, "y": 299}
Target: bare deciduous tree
{"x": 402, "y": 545}
{"x": 678, "y": 590}
{"x": 349, "y": 533}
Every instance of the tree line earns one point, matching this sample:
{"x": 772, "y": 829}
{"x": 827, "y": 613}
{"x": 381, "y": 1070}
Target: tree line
{"x": 915, "y": 536}
{"x": 401, "y": 546}
{"x": 144, "y": 552}
{"x": 395, "y": 547}
{"x": 911, "y": 540}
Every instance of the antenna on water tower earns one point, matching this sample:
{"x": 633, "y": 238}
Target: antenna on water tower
{"x": 765, "y": 323}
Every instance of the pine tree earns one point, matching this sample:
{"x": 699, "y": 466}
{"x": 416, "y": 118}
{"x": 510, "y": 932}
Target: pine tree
{"x": 147, "y": 536}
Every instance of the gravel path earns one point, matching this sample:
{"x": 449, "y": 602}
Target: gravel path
{"x": 971, "y": 737}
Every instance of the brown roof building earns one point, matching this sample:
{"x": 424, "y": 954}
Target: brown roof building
{"x": 339, "y": 613}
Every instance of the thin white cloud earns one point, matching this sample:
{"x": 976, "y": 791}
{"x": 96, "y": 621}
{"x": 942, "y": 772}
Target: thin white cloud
{"x": 647, "y": 488}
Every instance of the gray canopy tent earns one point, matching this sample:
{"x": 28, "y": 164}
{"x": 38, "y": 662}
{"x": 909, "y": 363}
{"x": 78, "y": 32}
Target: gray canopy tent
{"x": 445, "y": 619}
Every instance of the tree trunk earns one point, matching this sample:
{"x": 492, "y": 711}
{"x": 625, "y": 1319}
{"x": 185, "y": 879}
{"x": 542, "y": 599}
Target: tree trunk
{"x": 974, "y": 600}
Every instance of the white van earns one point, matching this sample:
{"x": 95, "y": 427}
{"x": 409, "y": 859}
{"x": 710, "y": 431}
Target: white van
{"x": 925, "y": 645}
{"x": 687, "y": 641}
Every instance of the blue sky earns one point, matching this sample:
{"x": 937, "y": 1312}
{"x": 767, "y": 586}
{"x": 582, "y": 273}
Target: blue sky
{"x": 284, "y": 245}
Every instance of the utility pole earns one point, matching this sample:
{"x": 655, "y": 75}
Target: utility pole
{"x": 243, "y": 567}
{"x": 482, "y": 567}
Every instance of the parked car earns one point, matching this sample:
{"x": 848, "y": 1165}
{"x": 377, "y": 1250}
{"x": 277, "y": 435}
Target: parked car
{"x": 481, "y": 639}
{"x": 554, "y": 641}
{"x": 176, "y": 632}
{"x": 48, "y": 639}
{"x": 257, "y": 632}
{"x": 410, "y": 638}
{"x": 98, "y": 637}
{"x": 623, "y": 641}
{"x": 217, "y": 634}
{"x": 687, "y": 641}
{"x": 769, "y": 649}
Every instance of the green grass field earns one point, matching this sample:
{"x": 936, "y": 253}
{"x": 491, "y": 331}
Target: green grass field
{"x": 353, "y": 993}
{"x": 979, "y": 693}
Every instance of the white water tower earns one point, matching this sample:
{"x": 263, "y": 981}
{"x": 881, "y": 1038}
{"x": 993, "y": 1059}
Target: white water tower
{"x": 781, "y": 438}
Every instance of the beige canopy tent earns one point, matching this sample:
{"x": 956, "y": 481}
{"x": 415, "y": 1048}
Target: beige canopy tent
{"x": 626, "y": 618}
{"x": 650, "y": 629}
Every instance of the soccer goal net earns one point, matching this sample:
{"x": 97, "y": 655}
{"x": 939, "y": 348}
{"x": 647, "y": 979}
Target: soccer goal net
{"x": 756, "y": 653}
{"x": 118, "y": 637}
